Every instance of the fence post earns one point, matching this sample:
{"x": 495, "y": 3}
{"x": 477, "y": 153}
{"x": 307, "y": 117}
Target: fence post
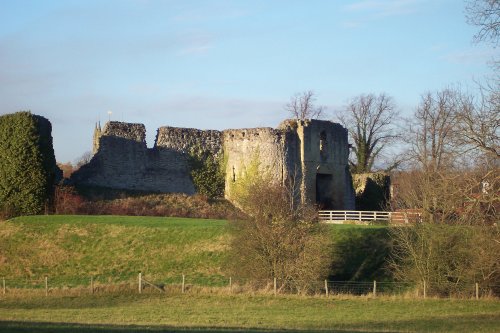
{"x": 4, "y": 289}
{"x": 374, "y": 288}
{"x": 359, "y": 216}
{"x": 345, "y": 215}
{"x": 183, "y": 283}
{"x": 91, "y": 284}
{"x": 274, "y": 286}
{"x": 46, "y": 286}
{"x": 140, "y": 282}
{"x": 477, "y": 290}
{"x": 331, "y": 215}
{"x": 230, "y": 285}
{"x": 326, "y": 288}
{"x": 425, "y": 290}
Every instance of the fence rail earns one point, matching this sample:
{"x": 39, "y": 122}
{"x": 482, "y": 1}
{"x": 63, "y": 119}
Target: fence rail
{"x": 340, "y": 216}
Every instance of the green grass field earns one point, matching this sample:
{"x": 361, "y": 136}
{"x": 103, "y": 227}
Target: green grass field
{"x": 111, "y": 248}
{"x": 70, "y": 249}
{"x": 210, "y": 312}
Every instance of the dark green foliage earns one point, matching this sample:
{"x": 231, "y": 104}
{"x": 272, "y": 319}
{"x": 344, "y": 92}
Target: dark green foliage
{"x": 372, "y": 191}
{"x": 207, "y": 173}
{"x": 27, "y": 164}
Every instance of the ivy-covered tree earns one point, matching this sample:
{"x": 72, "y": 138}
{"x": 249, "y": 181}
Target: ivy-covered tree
{"x": 207, "y": 173}
{"x": 28, "y": 168}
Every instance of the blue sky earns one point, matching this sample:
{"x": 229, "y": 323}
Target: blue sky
{"x": 222, "y": 64}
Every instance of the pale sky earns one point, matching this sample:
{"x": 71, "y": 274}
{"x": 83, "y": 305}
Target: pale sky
{"x": 218, "y": 64}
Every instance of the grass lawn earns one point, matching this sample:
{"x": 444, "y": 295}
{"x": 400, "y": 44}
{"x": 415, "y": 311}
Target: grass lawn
{"x": 205, "y": 312}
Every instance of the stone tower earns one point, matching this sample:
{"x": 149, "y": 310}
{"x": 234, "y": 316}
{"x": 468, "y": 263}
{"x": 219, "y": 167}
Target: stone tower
{"x": 312, "y": 153}
{"x": 96, "y": 138}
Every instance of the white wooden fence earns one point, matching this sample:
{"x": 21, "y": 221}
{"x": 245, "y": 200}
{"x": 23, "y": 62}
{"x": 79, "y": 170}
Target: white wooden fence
{"x": 340, "y": 216}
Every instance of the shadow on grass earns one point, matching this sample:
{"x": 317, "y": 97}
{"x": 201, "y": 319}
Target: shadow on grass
{"x": 48, "y": 327}
{"x": 73, "y": 302}
{"x": 360, "y": 254}
{"x": 460, "y": 323}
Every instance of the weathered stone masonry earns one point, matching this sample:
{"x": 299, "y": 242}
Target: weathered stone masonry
{"x": 123, "y": 161}
{"x": 313, "y": 152}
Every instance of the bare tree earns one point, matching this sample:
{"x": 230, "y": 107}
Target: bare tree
{"x": 486, "y": 15}
{"x": 82, "y": 160}
{"x": 370, "y": 121}
{"x": 431, "y": 131}
{"x": 479, "y": 121}
{"x": 301, "y": 106}
{"x": 457, "y": 241}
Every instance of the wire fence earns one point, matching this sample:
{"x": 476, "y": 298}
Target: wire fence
{"x": 139, "y": 283}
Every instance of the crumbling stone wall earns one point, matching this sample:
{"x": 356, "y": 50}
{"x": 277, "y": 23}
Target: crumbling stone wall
{"x": 185, "y": 139}
{"x": 326, "y": 176}
{"x": 243, "y": 146}
{"x": 313, "y": 153}
{"x": 123, "y": 161}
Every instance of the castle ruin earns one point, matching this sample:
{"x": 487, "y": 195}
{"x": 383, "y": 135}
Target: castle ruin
{"x": 312, "y": 152}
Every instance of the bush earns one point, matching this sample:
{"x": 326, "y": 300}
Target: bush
{"x": 67, "y": 201}
{"x": 449, "y": 259}
{"x": 281, "y": 239}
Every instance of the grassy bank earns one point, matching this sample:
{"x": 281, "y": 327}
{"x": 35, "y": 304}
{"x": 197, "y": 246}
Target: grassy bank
{"x": 153, "y": 312}
{"x": 71, "y": 248}
{"x": 111, "y": 248}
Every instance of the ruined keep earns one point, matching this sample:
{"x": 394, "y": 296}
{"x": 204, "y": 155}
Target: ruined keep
{"x": 312, "y": 152}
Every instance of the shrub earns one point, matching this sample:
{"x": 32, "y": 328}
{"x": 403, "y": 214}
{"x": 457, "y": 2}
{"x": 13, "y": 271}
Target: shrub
{"x": 281, "y": 239}
{"x": 67, "y": 201}
{"x": 103, "y": 201}
{"x": 449, "y": 259}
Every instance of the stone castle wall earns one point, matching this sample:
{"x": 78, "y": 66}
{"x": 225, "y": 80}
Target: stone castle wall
{"x": 185, "y": 139}
{"x": 134, "y": 132}
{"x": 314, "y": 153}
{"x": 123, "y": 161}
{"x": 243, "y": 147}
